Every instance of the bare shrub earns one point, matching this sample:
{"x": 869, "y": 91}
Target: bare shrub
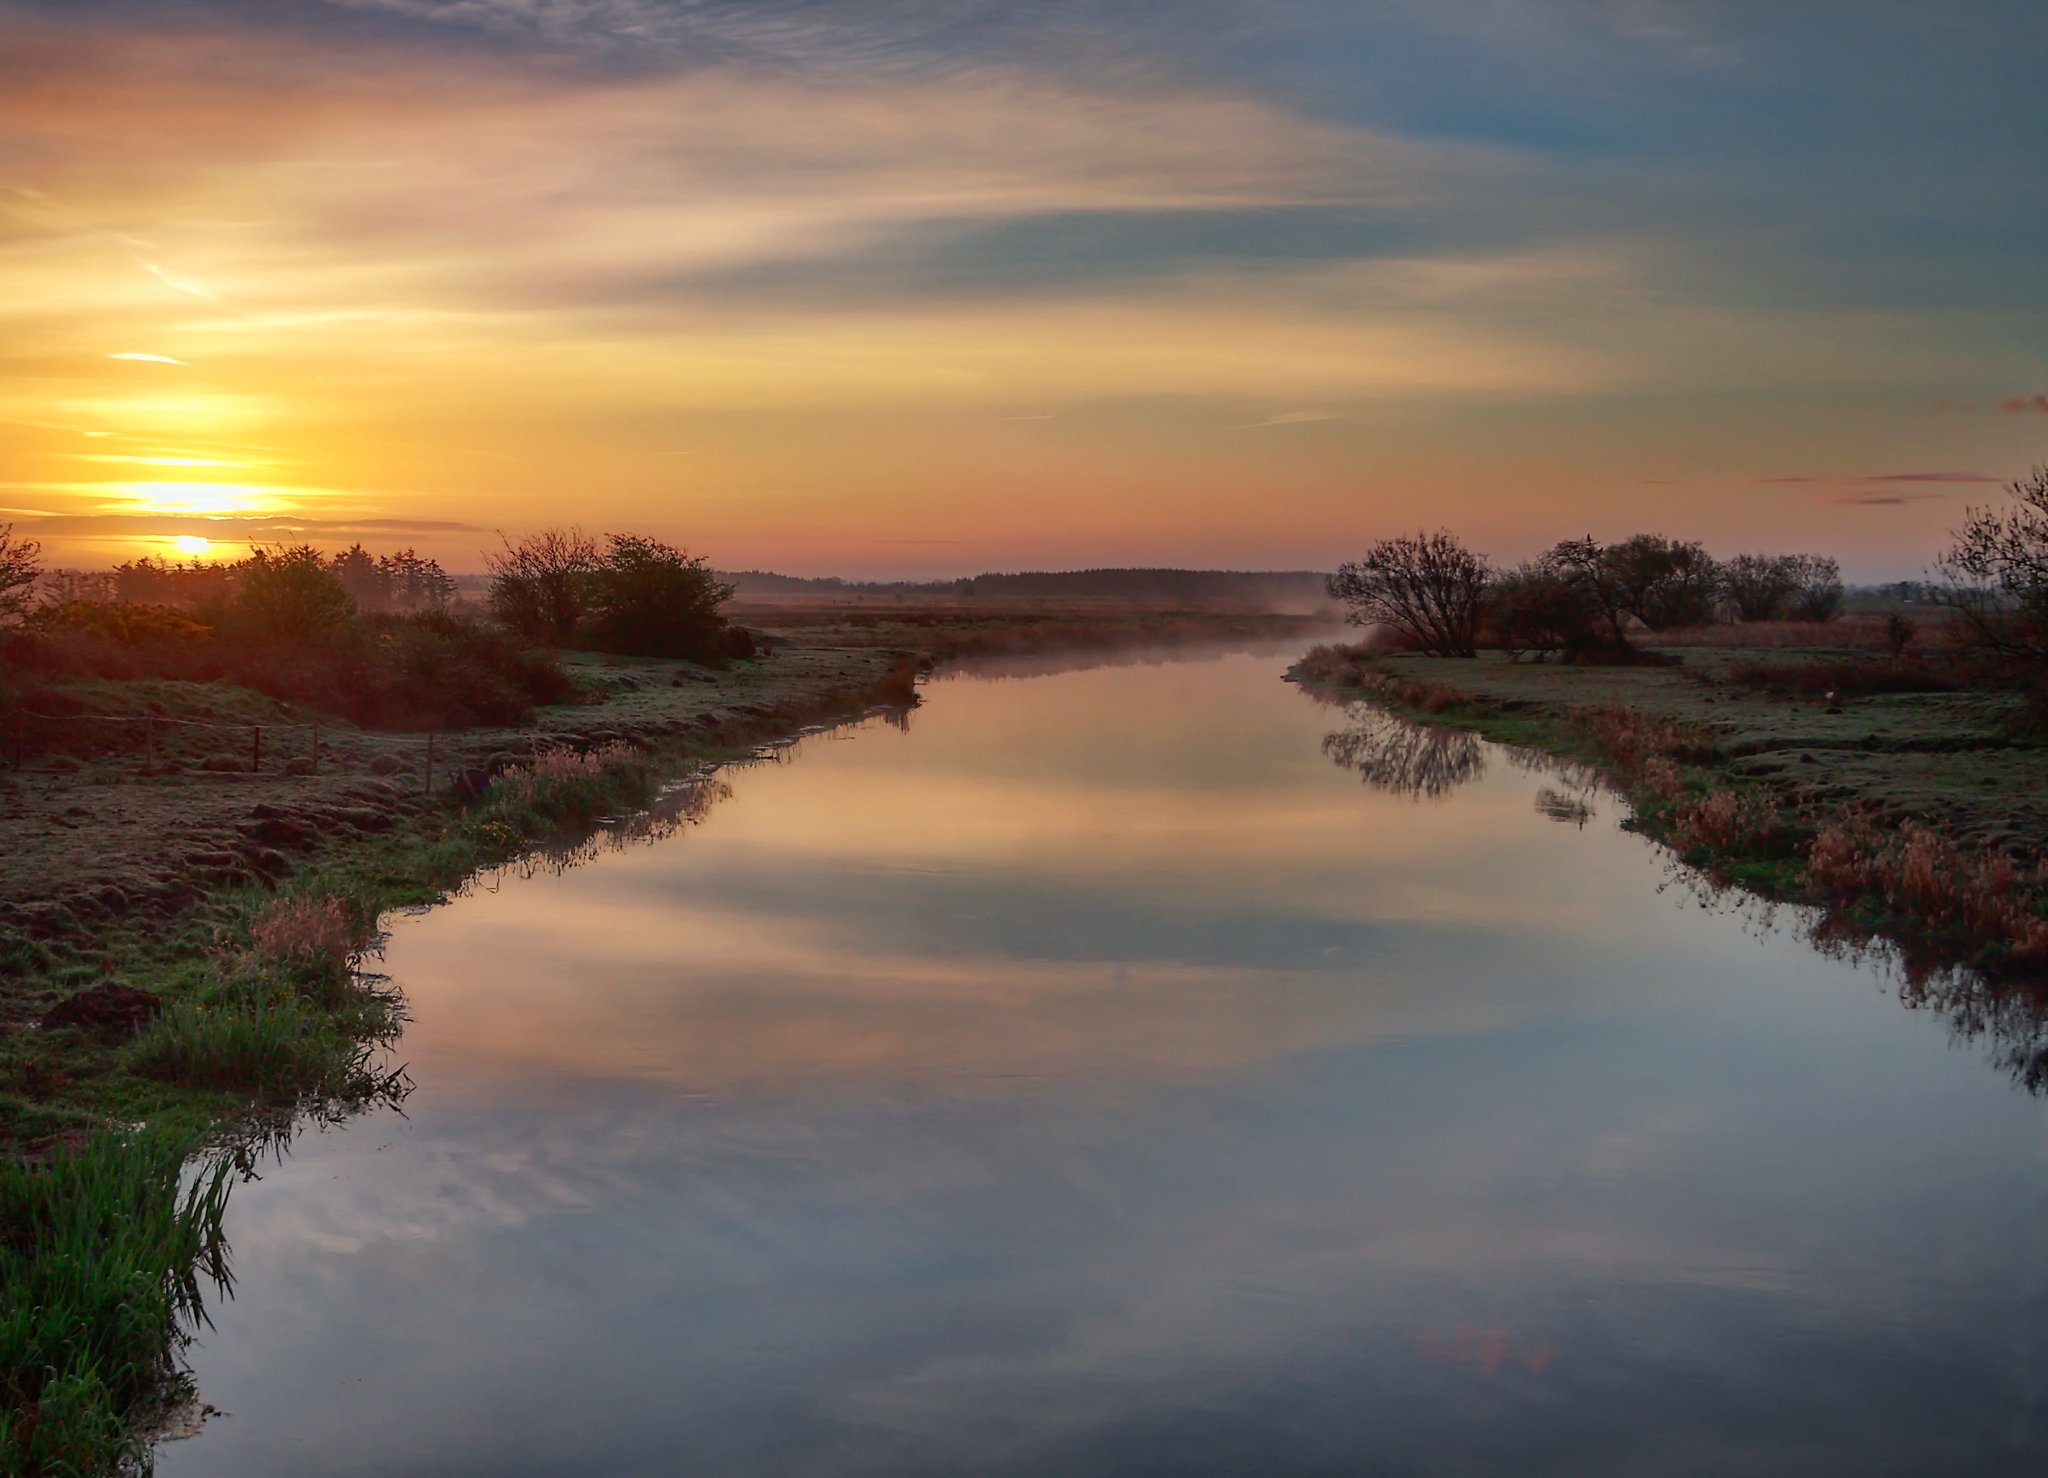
{"x": 1640, "y": 752}
{"x": 541, "y": 586}
{"x": 1430, "y": 587}
{"x": 1729, "y": 822}
{"x": 1816, "y": 587}
{"x": 1996, "y": 571}
{"x": 1391, "y": 753}
{"x": 1328, "y": 664}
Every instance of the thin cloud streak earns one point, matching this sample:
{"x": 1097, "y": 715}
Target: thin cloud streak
{"x": 1878, "y": 479}
{"x": 1292, "y": 418}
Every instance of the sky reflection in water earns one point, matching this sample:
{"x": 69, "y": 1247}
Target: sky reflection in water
{"x": 1094, "y": 1078}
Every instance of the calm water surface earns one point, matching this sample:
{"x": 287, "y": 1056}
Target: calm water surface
{"x": 1126, "y": 1071}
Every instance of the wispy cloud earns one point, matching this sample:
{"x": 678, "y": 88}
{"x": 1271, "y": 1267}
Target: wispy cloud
{"x": 1878, "y": 479}
{"x": 2016, "y": 403}
{"x": 231, "y": 529}
{"x": 1875, "y": 499}
{"x": 1293, "y": 418}
{"x": 147, "y": 358}
{"x": 182, "y": 284}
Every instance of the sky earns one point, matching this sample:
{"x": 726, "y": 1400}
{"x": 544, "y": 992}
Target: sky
{"x": 910, "y": 288}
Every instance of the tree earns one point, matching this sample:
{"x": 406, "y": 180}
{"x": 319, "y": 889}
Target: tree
{"x": 415, "y": 583}
{"x": 159, "y": 582}
{"x": 1760, "y": 585}
{"x": 650, "y": 599}
{"x": 1584, "y": 564}
{"x": 1537, "y": 610}
{"x": 360, "y": 576}
{"x": 1996, "y": 569}
{"x": 20, "y": 567}
{"x": 288, "y": 593}
{"x": 1429, "y": 587}
{"x": 1816, "y": 587}
{"x": 1663, "y": 583}
{"x": 540, "y": 587}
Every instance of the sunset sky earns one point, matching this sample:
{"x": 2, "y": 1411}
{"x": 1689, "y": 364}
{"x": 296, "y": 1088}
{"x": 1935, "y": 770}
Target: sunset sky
{"x": 915, "y": 287}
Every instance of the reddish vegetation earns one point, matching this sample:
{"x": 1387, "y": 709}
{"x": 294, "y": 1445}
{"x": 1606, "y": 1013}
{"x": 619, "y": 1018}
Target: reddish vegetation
{"x": 1912, "y": 872}
{"x": 304, "y": 932}
{"x": 1939, "y": 900}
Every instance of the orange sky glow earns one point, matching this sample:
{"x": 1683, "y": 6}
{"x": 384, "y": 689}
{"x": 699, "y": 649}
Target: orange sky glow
{"x": 396, "y": 281}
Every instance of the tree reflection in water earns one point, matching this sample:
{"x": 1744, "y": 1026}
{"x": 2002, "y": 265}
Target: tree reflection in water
{"x": 2009, "y": 1020}
{"x": 1394, "y": 754}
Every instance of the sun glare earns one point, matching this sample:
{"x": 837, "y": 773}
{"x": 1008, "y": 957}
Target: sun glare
{"x": 193, "y": 545}
{"x": 209, "y": 498}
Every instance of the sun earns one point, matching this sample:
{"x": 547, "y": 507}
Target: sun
{"x": 192, "y": 544}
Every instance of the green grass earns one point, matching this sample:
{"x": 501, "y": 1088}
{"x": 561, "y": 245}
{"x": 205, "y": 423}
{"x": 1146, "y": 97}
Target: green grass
{"x": 101, "y": 1257}
{"x": 265, "y": 1017}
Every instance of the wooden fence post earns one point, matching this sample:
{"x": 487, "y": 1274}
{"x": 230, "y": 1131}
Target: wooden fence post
{"x": 316, "y": 746}
{"x": 255, "y": 748}
{"x": 430, "y": 762}
{"x": 149, "y": 743}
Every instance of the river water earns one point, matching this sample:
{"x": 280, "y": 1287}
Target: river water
{"x": 1142, "y": 1070}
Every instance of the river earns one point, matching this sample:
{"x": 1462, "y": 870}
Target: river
{"x": 1141, "y": 1069}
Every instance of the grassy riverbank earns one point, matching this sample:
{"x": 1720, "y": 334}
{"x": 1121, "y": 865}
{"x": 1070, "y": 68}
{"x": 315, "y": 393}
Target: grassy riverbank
{"x": 183, "y": 914}
{"x": 1905, "y": 808}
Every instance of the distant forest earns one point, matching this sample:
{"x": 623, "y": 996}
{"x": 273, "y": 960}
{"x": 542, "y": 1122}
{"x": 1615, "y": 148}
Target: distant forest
{"x": 1277, "y": 588}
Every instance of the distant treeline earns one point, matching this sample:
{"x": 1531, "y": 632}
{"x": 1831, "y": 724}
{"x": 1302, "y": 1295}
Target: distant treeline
{"x": 1151, "y": 586}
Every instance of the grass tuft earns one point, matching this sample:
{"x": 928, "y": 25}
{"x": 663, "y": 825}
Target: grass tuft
{"x": 100, "y": 1256}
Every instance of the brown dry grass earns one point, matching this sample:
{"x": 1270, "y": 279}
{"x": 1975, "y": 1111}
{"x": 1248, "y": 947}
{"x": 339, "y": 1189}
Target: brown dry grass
{"x": 1914, "y": 873}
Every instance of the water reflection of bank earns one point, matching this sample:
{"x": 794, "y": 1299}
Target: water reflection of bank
{"x": 1428, "y": 762}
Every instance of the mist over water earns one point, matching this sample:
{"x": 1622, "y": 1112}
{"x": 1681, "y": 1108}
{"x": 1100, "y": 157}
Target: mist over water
{"x": 1141, "y": 1069}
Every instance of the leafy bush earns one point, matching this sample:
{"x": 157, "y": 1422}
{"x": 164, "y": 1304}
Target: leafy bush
{"x": 117, "y": 621}
{"x": 1759, "y": 585}
{"x": 20, "y": 567}
{"x": 1662, "y": 582}
{"x": 435, "y": 670}
{"x": 650, "y": 599}
{"x": 429, "y": 670}
{"x": 1536, "y": 611}
{"x": 287, "y": 594}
